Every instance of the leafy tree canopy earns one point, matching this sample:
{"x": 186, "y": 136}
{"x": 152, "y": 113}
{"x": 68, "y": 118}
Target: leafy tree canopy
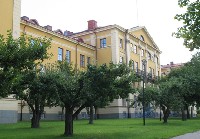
{"x": 190, "y": 31}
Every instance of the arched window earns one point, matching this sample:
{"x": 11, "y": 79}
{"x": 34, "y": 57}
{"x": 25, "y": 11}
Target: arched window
{"x": 141, "y": 38}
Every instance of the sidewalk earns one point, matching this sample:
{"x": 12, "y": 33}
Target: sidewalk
{"x": 194, "y": 135}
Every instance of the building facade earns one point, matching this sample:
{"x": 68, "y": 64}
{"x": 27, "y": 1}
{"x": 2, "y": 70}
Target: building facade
{"x": 96, "y": 45}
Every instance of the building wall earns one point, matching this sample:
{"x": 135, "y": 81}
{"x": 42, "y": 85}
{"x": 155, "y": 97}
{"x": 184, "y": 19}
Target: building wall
{"x": 59, "y": 41}
{"x": 8, "y": 110}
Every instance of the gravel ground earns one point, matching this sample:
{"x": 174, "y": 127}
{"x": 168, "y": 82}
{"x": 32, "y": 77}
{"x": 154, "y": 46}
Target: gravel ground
{"x": 195, "y": 135}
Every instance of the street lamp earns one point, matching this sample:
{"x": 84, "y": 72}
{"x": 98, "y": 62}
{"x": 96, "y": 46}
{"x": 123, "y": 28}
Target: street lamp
{"x": 144, "y": 62}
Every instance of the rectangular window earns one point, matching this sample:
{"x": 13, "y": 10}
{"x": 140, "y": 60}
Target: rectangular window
{"x": 103, "y": 43}
{"x": 68, "y": 56}
{"x": 60, "y": 54}
{"x": 136, "y": 66}
{"x": 120, "y": 43}
{"x": 150, "y": 70}
{"x": 135, "y": 49}
{"x": 133, "y": 65}
{"x": 142, "y": 52}
{"x": 88, "y": 60}
{"x": 121, "y": 59}
{"x": 153, "y": 72}
{"x": 149, "y": 56}
{"x": 82, "y": 60}
{"x": 132, "y": 49}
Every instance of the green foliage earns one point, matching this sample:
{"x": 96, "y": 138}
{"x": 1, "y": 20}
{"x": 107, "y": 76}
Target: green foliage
{"x": 191, "y": 24}
{"x": 17, "y": 56}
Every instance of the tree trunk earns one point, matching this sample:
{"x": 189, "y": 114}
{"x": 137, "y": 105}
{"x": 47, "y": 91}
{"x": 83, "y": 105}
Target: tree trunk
{"x": 166, "y": 113}
{"x": 184, "y": 117}
{"x": 95, "y": 113}
{"x": 188, "y": 113}
{"x": 35, "y": 121}
{"x": 62, "y": 114}
{"x": 91, "y": 119}
{"x": 68, "y": 122}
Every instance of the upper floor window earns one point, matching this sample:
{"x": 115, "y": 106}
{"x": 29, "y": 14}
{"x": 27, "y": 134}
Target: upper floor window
{"x": 133, "y": 65}
{"x": 120, "y": 43}
{"x": 149, "y": 56}
{"x": 103, "y": 43}
{"x": 82, "y": 60}
{"x": 141, "y": 38}
{"x": 68, "y": 56}
{"x": 142, "y": 52}
{"x": 121, "y": 59}
{"x": 88, "y": 60}
{"x": 60, "y": 54}
{"x": 136, "y": 66}
{"x": 135, "y": 49}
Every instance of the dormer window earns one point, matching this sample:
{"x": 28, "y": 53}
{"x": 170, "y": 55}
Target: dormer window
{"x": 142, "y": 38}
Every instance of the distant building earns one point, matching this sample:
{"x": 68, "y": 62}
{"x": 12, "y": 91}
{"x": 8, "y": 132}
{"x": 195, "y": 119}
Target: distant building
{"x": 166, "y": 69}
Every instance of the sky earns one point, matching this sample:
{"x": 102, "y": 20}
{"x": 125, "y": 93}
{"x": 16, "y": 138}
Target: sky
{"x": 156, "y": 15}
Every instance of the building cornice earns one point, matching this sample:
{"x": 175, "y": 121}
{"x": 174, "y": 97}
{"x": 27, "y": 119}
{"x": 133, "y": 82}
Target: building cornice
{"x": 23, "y": 22}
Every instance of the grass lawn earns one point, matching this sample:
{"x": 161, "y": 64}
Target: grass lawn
{"x": 102, "y": 129}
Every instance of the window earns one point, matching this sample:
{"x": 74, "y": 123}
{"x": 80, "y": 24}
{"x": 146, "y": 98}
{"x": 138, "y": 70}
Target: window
{"x": 149, "y": 56}
{"x": 153, "y": 72}
{"x": 42, "y": 68}
{"x": 121, "y": 59}
{"x": 120, "y": 43}
{"x": 103, "y": 43}
{"x": 68, "y": 56}
{"x": 133, "y": 65}
{"x": 60, "y": 54}
{"x": 82, "y": 60}
{"x": 88, "y": 60}
{"x": 150, "y": 70}
{"x": 135, "y": 49}
{"x": 157, "y": 60}
{"x": 132, "y": 47}
{"x": 142, "y": 38}
{"x": 142, "y": 52}
{"x": 136, "y": 66}
{"x": 32, "y": 43}
{"x": 143, "y": 67}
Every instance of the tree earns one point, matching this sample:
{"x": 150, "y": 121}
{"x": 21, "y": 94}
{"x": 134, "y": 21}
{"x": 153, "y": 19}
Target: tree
{"x": 69, "y": 86}
{"x": 19, "y": 60}
{"x": 103, "y": 84}
{"x": 77, "y": 90}
{"x": 18, "y": 55}
{"x": 190, "y": 31}
{"x": 37, "y": 89}
{"x": 167, "y": 94}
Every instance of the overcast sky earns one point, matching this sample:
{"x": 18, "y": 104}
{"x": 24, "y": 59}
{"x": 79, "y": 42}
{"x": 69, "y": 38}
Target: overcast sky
{"x": 156, "y": 15}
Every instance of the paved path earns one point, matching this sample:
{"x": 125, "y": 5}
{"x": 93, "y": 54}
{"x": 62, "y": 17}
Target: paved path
{"x": 195, "y": 135}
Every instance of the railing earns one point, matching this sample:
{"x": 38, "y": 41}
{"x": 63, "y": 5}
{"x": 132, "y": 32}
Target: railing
{"x": 149, "y": 76}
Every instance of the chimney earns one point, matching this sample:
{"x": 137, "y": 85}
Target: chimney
{"x": 92, "y": 24}
{"x": 48, "y": 27}
{"x": 67, "y": 33}
{"x": 25, "y": 18}
{"x": 171, "y": 63}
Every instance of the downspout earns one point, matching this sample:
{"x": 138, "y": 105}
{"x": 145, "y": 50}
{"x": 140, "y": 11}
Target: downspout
{"x": 76, "y": 68}
{"x": 126, "y": 42}
{"x": 95, "y": 46}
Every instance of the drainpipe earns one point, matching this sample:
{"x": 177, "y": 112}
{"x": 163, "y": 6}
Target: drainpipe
{"x": 76, "y": 68}
{"x": 126, "y": 42}
{"x": 95, "y": 46}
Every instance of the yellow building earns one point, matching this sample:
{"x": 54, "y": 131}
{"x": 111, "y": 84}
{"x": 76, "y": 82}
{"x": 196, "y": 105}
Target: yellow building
{"x": 96, "y": 45}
